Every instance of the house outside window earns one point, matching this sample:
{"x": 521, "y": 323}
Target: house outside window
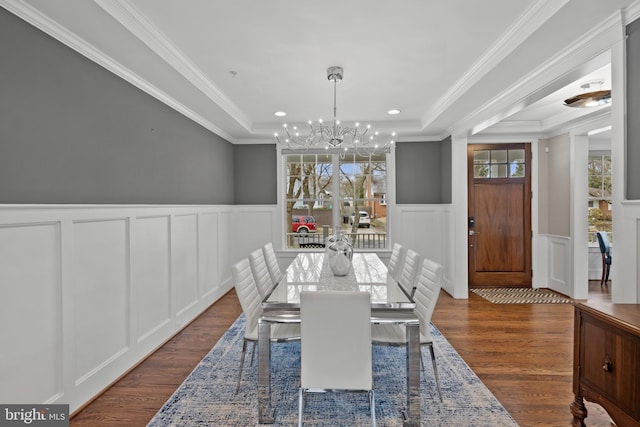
{"x": 599, "y": 179}
{"x": 360, "y": 197}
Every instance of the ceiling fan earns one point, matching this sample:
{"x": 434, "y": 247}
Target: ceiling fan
{"x": 589, "y": 99}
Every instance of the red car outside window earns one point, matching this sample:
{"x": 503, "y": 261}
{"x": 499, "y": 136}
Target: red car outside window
{"x": 303, "y": 224}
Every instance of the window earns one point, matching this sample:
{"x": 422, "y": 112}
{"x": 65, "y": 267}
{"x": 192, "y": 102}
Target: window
{"x": 318, "y": 184}
{"x": 599, "y": 178}
{"x": 499, "y": 163}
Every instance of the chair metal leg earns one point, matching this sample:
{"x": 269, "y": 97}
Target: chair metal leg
{"x": 435, "y": 369}
{"x": 244, "y": 349}
{"x": 606, "y": 278}
{"x": 300, "y": 406}
{"x": 604, "y": 271}
{"x": 253, "y": 351}
{"x": 372, "y": 405}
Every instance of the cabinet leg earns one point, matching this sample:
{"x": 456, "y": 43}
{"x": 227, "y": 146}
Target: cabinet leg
{"x": 579, "y": 412}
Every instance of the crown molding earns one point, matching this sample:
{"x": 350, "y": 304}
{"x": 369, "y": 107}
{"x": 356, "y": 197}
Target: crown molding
{"x": 34, "y": 17}
{"x": 585, "y": 49}
{"x": 530, "y": 21}
{"x": 139, "y": 25}
{"x": 516, "y": 126}
{"x": 532, "y": 129}
{"x": 631, "y": 13}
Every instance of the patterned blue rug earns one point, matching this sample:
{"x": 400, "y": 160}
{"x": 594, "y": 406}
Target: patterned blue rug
{"x": 206, "y": 397}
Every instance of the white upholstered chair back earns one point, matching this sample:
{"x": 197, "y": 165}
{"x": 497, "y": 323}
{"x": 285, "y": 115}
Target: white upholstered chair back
{"x": 428, "y": 286}
{"x": 336, "y": 343}
{"x": 250, "y": 299}
{"x": 272, "y": 262}
{"x": 260, "y": 272}
{"x": 395, "y": 261}
{"x": 251, "y": 303}
{"x": 410, "y": 269}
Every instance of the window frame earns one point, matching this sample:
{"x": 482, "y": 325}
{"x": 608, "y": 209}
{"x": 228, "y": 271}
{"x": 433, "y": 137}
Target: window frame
{"x": 592, "y": 200}
{"x": 281, "y": 229}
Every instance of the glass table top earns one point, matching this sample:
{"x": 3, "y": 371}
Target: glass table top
{"x": 310, "y": 272}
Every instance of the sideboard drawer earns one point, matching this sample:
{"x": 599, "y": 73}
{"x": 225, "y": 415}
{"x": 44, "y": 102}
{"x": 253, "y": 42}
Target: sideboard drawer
{"x": 609, "y": 363}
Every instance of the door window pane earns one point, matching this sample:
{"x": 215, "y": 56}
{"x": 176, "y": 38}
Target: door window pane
{"x": 481, "y": 157}
{"x": 498, "y": 171}
{"x": 498, "y": 156}
{"x": 499, "y": 163}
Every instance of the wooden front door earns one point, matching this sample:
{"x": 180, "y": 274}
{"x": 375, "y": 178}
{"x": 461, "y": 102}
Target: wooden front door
{"x": 499, "y": 215}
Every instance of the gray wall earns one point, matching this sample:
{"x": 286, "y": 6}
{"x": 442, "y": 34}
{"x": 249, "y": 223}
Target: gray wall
{"x": 423, "y": 172}
{"x": 255, "y": 175}
{"x": 554, "y": 186}
{"x": 633, "y": 111}
{"x": 72, "y": 132}
{"x": 445, "y": 172}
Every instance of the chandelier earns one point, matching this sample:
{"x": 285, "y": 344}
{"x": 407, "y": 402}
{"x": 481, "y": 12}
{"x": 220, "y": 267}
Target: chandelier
{"x": 334, "y": 135}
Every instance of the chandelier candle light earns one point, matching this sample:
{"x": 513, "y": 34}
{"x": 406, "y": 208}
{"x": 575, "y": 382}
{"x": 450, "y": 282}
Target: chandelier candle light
{"x": 333, "y": 135}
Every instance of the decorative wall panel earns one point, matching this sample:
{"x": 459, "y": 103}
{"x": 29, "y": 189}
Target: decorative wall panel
{"x": 30, "y": 313}
{"x": 208, "y": 250}
{"x": 184, "y": 261}
{"x": 100, "y": 293}
{"x": 151, "y": 274}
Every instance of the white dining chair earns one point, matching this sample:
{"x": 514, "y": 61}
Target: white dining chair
{"x": 429, "y": 283}
{"x": 251, "y": 303}
{"x": 260, "y": 272}
{"x": 409, "y": 271}
{"x": 395, "y": 261}
{"x": 335, "y": 344}
{"x": 272, "y": 262}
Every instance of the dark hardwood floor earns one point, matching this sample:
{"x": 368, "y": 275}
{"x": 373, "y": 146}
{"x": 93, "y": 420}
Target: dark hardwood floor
{"x": 522, "y": 352}
{"x": 138, "y": 395}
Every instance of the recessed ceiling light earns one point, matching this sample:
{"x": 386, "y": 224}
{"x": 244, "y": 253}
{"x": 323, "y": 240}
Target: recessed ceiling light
{"x": 393, "y": 112}
{"x": 279, "y": 114}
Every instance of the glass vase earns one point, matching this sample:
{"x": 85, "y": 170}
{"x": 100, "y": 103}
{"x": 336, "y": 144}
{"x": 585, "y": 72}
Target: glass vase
{"x": 339, "y": 253}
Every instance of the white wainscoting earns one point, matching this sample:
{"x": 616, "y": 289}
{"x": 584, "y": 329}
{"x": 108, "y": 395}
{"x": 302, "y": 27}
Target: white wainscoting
{"x": 89, "y": 291}
{"x": 595, "y": 263}
{"x": 555, "y": 270}
{"x": 625, "y": 247}
{"x": 427, "y": 230}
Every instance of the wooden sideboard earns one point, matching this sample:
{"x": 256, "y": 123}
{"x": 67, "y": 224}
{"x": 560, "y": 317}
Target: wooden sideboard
{"x": 606, "y": 361}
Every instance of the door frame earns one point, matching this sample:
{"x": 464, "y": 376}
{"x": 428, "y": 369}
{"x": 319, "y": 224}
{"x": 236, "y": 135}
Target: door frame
{"x": 529, "y": 219}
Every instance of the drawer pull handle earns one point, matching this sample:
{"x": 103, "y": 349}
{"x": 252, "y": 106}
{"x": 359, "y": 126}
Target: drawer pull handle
{"x": 607, "y": 366}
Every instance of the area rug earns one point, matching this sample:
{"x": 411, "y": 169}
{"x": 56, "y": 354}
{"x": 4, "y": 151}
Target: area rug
{"x": 521, "y": 296}
{"x": 206, "y": 397}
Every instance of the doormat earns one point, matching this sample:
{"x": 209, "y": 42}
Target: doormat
{"x": 521, "y": 296}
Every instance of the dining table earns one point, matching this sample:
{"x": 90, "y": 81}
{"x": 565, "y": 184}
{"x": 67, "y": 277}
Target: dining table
{"x": 390, "y": 304}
